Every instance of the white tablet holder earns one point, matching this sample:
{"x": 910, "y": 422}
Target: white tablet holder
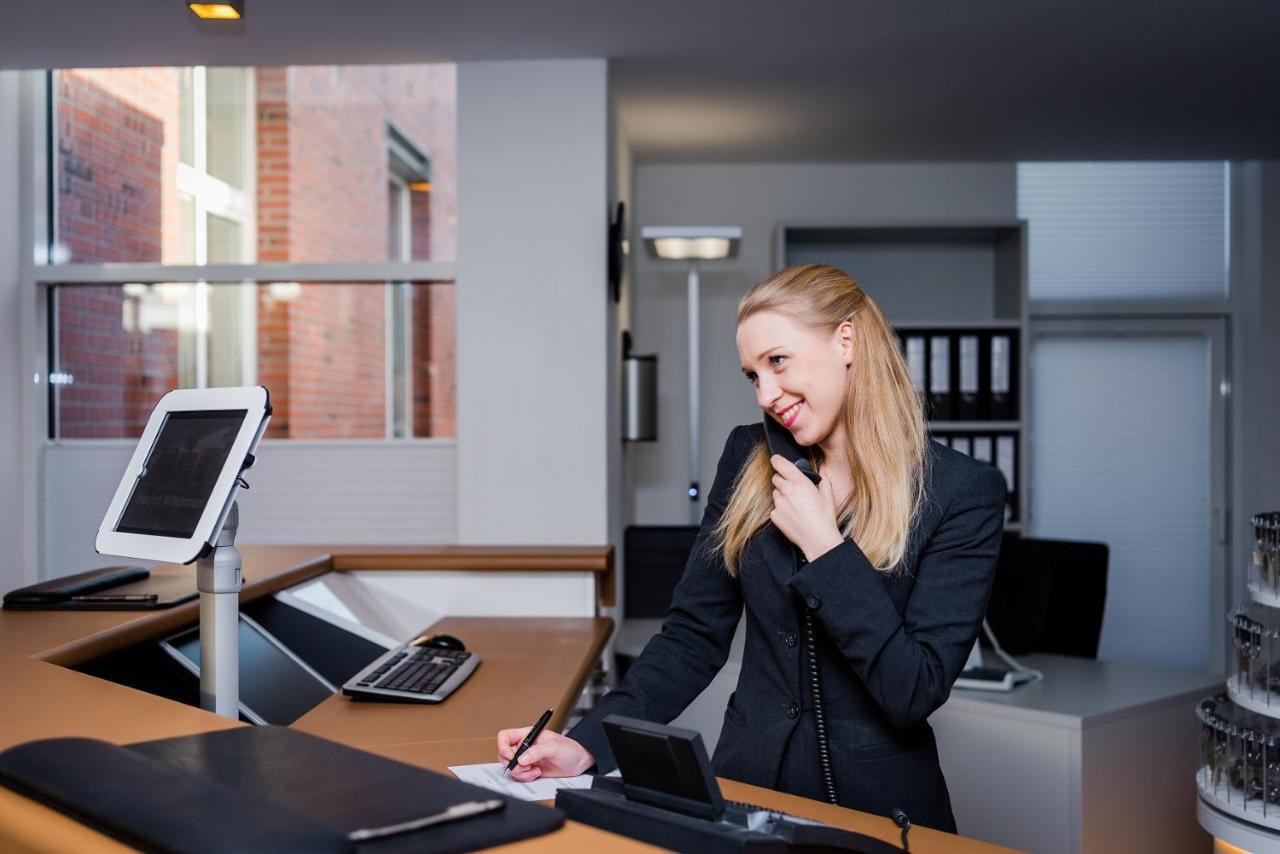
{"x": 219, "y": 579}
{"x": 196, "y": 465}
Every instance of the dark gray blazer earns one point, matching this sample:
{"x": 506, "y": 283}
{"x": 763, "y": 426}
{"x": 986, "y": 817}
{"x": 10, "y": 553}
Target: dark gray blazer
{"x": 890, "y": 646}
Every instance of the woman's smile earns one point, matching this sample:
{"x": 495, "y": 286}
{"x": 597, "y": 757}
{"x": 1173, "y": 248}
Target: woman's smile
{"x": 789, "y": 415}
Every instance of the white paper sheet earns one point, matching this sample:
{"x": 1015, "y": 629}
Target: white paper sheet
{"x": 489, "y": 775}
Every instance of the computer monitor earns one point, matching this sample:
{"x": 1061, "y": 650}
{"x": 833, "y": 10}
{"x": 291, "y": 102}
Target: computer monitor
{"x": 276, "y": 687}
{"x": 180, "y": 483}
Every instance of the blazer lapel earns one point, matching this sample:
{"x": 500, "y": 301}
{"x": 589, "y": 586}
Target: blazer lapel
{"x": 778, "y": 554}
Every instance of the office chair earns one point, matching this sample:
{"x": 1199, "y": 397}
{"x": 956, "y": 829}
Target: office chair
{"x": 1049, "y": 596}
{"x": 654, "y": 557}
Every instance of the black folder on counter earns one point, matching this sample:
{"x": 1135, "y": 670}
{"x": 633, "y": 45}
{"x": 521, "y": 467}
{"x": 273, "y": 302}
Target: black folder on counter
{"x": 108, "y": 588}
{"x": 257, "y": 789}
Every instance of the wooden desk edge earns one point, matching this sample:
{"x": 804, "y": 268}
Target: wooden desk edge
{"x": 569, "y": 700}
{"x": 595, "y": 559}
{"x": 145, "y": 625}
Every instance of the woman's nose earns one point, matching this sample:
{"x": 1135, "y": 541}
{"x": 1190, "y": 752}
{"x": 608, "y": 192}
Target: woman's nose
{"x": 767, "y": 393}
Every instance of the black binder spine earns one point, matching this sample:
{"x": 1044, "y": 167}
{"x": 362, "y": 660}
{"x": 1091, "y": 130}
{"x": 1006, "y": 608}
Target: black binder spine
{"x": 1006, "y": 459}
{"x": 969, "y": 400}
{"x": 1003, "y": 376}
{"x": 941, "y": 377}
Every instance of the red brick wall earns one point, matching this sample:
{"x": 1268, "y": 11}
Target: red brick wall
{"x": 323, "y": 172}
{"x": 115, "y": 186}
{"x": 434, "y": 361}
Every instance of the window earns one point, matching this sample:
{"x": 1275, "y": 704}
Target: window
{"x": 321, "y": 349}
{"x": 1125, "y": 230}
{"x": 343, "y": 173}
{"x": 1128, "y": 281}
{"x": 1126, "y": 447}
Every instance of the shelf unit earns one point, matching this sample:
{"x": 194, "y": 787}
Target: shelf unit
{"x": 962, "y": 275}
{"x": 1237, "y": 782}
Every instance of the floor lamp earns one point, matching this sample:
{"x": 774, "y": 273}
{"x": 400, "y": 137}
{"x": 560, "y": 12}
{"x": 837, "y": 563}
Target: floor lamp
{"x": 692, "y": 244}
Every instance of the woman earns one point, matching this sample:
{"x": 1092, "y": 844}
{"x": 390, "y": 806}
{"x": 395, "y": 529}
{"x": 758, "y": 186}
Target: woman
{"x": 892, "y": 555}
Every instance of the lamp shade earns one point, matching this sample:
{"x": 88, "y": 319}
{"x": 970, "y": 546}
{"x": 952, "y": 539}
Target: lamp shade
{"x": 686, "y": 242}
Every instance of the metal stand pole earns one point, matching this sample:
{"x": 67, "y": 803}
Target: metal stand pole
{"x": 219, "y": 580}
{"x": 694, "y": 393}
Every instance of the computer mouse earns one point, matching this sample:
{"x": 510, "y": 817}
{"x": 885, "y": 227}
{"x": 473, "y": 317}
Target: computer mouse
{"x": 445, "y": 642}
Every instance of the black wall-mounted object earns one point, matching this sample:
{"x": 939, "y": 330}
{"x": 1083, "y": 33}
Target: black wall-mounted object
{"x": 617, "y": 250}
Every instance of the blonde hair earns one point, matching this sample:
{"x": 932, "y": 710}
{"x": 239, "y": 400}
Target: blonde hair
{"x": 883, "y": 422}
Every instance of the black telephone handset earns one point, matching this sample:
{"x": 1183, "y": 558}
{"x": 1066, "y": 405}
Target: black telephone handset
{"x": 780, "y": 441}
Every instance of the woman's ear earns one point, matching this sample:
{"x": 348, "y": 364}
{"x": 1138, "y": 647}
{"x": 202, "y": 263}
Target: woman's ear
{"x": 844, "y": 339}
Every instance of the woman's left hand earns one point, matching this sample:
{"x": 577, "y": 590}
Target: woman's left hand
{"x": 804, "y": 513}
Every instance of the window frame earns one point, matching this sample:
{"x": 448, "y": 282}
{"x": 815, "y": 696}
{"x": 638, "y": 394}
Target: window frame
{"x": 38, "y": 150}
{"x": 406, "y": 163}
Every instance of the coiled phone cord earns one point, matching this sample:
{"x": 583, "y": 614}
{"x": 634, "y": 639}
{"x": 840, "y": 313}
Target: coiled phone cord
{"x": 819, "y": 711}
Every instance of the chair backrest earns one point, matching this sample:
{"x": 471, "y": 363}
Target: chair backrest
{"x": 654, "y": 557}
{"x": 1049, "y": 596}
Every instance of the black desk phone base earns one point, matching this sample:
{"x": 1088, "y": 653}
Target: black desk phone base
{"x": 668, "y": 796}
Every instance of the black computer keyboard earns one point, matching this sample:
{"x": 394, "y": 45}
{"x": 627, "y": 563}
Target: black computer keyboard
{"x": 414, "y": 674}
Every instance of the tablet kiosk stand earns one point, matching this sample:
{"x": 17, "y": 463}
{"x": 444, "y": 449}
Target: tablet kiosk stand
{"x": 219, "y": 580}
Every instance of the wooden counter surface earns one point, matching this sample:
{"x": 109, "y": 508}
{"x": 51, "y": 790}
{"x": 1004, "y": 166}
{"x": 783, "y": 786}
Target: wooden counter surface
{"x": 528, "y": 664}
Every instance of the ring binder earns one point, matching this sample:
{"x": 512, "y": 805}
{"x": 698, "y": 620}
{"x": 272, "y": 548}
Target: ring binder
{"x": 940, "y": 376}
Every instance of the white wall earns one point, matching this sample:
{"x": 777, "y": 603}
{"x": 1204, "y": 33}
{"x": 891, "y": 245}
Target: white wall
{"x": 18, "y": 450}
{"x": 10, "y": 346}
{"x": 533, "y": 360}
{"x": 621, "y": 183}
{"x": 756, "y": 197}
{"x": 339, "y": 492}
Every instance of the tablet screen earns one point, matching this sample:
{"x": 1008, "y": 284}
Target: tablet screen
{"x": 181, "y": 470}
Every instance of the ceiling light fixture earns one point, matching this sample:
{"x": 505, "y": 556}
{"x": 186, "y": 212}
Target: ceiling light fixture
{"x": 683, "y": 243}
{"x": 231, "y": 10}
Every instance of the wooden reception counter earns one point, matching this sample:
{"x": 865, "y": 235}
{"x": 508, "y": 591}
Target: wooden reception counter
{"x": 529, "y": 663}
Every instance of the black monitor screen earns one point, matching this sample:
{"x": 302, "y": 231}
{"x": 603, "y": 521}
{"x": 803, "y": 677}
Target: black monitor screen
{"x": 180, "y": 472}
{"x": 273, "y": 685}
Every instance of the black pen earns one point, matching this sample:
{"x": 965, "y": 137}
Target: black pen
{"x": 528, "y": 741}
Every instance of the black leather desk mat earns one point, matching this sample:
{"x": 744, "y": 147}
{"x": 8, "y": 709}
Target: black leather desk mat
{"x": 257, "y": 789}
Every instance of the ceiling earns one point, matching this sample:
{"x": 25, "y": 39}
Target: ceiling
{"x": 802, "y": 80}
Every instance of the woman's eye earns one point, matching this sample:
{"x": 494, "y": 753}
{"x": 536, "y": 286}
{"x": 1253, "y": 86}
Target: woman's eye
{"x": 751, "y": 378}
{"x": 777, "y": 360}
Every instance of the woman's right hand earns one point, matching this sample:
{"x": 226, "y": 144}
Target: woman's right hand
{"x": 552, "y": 755}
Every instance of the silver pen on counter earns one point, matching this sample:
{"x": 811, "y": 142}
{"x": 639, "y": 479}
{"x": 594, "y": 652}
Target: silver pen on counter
{"x": 117, "y": 597}
{"x": 453, "y": 813}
